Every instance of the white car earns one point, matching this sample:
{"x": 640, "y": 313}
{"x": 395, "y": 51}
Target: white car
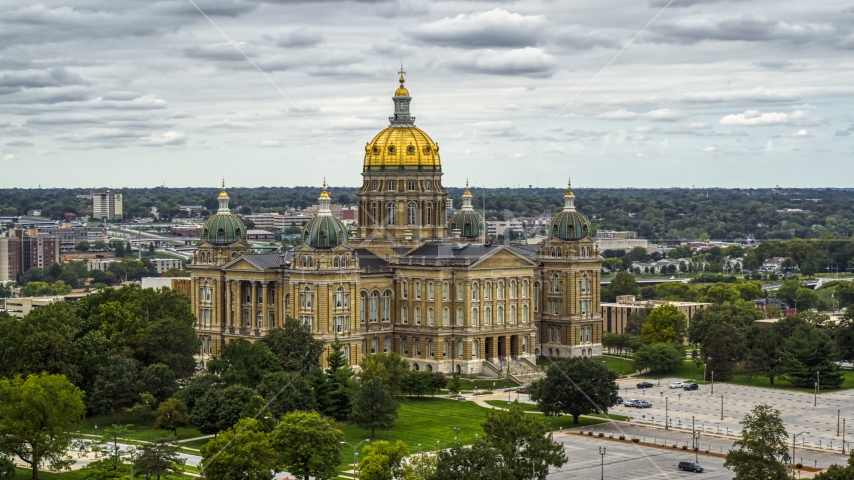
{"x": 676, "y": 385}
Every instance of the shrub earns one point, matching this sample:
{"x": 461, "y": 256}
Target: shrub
{"x": 696, "y": 449}
{"x": 636, "y": 440}
{"x": 673, "y": 446}
{"x": 684, "y": 447}
{"x": 601, "y": 434}
{"x": 799, "y": 465}
{"x": 622, "y": 437}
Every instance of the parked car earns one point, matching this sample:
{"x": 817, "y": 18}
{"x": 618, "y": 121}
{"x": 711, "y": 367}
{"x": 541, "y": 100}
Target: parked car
{"x": 642, "y": 404}
{"x": 630, "y": 402}
{"x": 645, "y": 385}
{"x": 676, "y": 385}
{"x": 522, "y": 390}
{"x": 691, "y": 386}
{"x": 690, "y": 467}
{"x": 619, "y": 400}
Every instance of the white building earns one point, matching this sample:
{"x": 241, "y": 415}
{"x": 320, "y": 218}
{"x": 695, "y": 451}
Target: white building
{"x": 498, "y": 227}
{"x": 164, "y": 264}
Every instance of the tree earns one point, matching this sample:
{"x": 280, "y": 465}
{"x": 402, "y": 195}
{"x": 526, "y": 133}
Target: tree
{"x": 659, "y": 357}
{"x": 665, "y": 324}
{"x": 417, "y": 383}
{"x": 243, "y": 451}
{"x": 112, "y": 462}
{"x": 159, "y": 380}
{"x": 833, "y": 472}
{"x": 374, "y": 407}
{"x": 220, "y": 408}
{"x": 308, "y": 445}
{"x": 454, "y": 384}
{"x": 116, "y": 386}
{"x": 481, "y": 461}
{"x": 196, "y": 388}
{"x": 144, "y": 410}
{"x": 638, "y": 254}
{"x": 722, "y": 293}
{"x": 294, "y": 345}
{"x": 158, "y": 459}
{"x": 576, "y": 386}
{"x": 38, "y": 414}
{"x": 8, "y": 470}
{"x": 288, "y": 392}
{"x": 719, "y": 349}
{"x": 419, "y": 467}
{"x": 764, "y": 355}
{"x": 808, "y": 351}
{"x": 623, "y": 284}
{"x": 241, "y": 362}
{"x": 382, "y": 460}
{"x": 763, "y": 441}
{"x": 82, "y": 246}
{"x": 339, "y": 373}
{"x": 636, "y": 321}
{"x": 524, "y": 442}
{"x": 172, "y": 415}
{"x": 390, "y": 368}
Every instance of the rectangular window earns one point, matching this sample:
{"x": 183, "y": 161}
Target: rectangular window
{"x": 260, "y": 321}
{"x": 308, "y": 321}
{"x": 404, "y": 290}
{"x": 430, "y": 292}
{"x": 417, "y": 348}
{"x": 417, "y": 316}
{"x": 444, "y": 291}
{"x": 339, "y": 324}
{"x": 431, "y": 319}
{"x": 247, "y": 318}
{"x": 405, "y": 347}
{"x": 459, "y": 291}
{"x": 404, "y": 315}
{"x": 346, "y": 300}
{"x": 418, "y": 290}
{"x": 386, "y": 309}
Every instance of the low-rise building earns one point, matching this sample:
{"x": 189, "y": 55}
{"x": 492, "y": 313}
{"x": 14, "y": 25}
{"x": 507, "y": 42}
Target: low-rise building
{"x": 260, "y": 235}
{"x": 69, "y": 234}
{"x": 626, "y": 244}
{"x": 100, "y": 264}
{"x": 499, "y": 227}
{"x": 615, "y": 234}
{"x": 272, "y": 221}
{"x": 615, "y": 315}
{"x": 164, "y": 264}
{"x": 772, "y": 265}
{"x": 20, "y": 306}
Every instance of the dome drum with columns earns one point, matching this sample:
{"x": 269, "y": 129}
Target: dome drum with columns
{"x": 407, "y": 279}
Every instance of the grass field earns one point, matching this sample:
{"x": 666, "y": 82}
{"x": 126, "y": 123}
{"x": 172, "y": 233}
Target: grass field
{"x": 528, "y": 407}
{"x": 75, "y": 475}
{"x": 95, "y": 426}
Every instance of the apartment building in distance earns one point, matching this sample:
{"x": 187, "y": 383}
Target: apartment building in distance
{"x": 70, "y": 234}
{"x": 107, "y": 206}
{"x": 20, "y": 252}
{"x": 615, "y": 315}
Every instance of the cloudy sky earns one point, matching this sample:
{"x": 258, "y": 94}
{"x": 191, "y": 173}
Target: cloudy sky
{"x": 614, "y": 93}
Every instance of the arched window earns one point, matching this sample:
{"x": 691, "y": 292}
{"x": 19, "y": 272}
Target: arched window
{"x": 536, "y": 297}
{"x": 418, "y": 290}
{"x": 487, "y": 291}
{"x": 386, "y": 345}
{"x": 445, "y": 314}
{"x": 431, "y": 318}
{"x": 475, "y": 291}
{"x": 446, "y": 345}
{"x": 335, "y": 262}
{"x": 386, "y": 306}
{"x": 308, "y": 298}
{"x": 404, "y": 315}
{"x": 460, "y": 291}
{"x": 525, "y": 289}
{"x": 487, "y": 315}
{"x": 445, "y": 291}
{"x": 524, "y": 314}
{"x": 417, "y": 347}
{"x": 584, "y": 283}
{"x": 512, "y": 288}
{"x": 430, "y": 291}
{"x": 404, "y": 289}
{"x": 304, "y": 261}
{"x": 427, "y": 183}
{"x": 474, "y": 317}
{"x": 475, "y": 348}
{"x": 344, "y": 261}
{"x": 460, "y": 351}
{"x": 557, "y": 335}
{"x": 418, "y": 315}
{"x": 554, "y": 287}
{"x": 525, "y": 344}
{"x": 362, "y": 306}
{"x": 552, "y": 251}
{"x": 339, "y": 297}
{"x": 559, "y": 252}
{"x": 410, "y": 214}
{"x": 374, "y": 307}
{"x": 310, "y": 262}
{"x": 500, "y": 294}
{"x": 391, "y": 210}
{"x": 428, "y": 213}
{"x": 207, "y": 292}
{"x": 375, "y": 218}
{"x": 364, "y": 347}
{"x": 373, "y": 345}
{"x": 430, "y": 351}
{"x": 499, "y": 315}
{"x": 404, "y": 348}
{"x": 512, "y": 313}
{"x": 460, "y": 319}
{"x": 346, "y": 352}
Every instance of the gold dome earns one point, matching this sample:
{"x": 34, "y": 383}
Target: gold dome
{"x": 222, "y": 194}
{"x": 402, "y": 146}
{"x": 401, "y": 92}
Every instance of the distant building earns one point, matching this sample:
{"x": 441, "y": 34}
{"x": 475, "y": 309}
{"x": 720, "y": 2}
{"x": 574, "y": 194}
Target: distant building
{"x": 164, "y": 264}
{"x": 107, "y": 206}
{"x": 614, "y": 234}
{"x": 99, "y": 264}
{"x": 500, "y": 227}
{"x": 772, "y": 265}
{"x": 194, "y": 231}
{"x": 615, "y": 315}
{"x": 20, "y": 252}
{"x": 271, "y": 221}
{"x": 626, "y": 244}
{"x": 260, "y": 235}
{"x": 21, "y": 306}
{"x": 69, "y": 234}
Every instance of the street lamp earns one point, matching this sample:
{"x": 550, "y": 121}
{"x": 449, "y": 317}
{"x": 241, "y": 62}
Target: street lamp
{"x": 602, "y": 454}
{"x": 356, "y": 455}
{"x": 456, "y": 434}
{"x": 817, "y": 387}
{"x": 793, "y": 450}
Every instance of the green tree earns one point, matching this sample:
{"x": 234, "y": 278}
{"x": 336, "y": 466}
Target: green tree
{"x": 721, "y": 293}
{"x": 220, "y": 408}
{"x": 339, "y": 374}
{"x": 196, "y": 388}
{"x": 38, "y": 416}
{"x": 749, "y": 291}
{"x": 762, "y": 443}
{"x": 481, "y": 461}
{"x": 420, "y": 467}
{"x": 8, "y": 471}
{"x": 172, "y": 415}
{"x": 623, "y": 284}
{"x": 116, "y": 386}
{"x": 158, "y": 459}
{"x": 159, "y": 380}
{"x": 241, "y": 362}
{"x": 454, "y": 384}
{"x": 390, "y": 368}
{"x": 576, "y": 386}
{"x": 765, "y": 355}
{"x": 665, "y": 324}
{"x": 308, "y": 445}
{"x": 294, "y": 345}
{"x": 659, "y": 357}
{"x": 808, "y": 351}
{"x": 720, "y": 349}
{"x": 806, "y": 298}
{"x": 243, "y": 451}
{"x": 288, "y": 392}
{"x": 638, "y": 254}
{"x": 113, "y": 455}
{"x": 82, "y": 246}
{"x": 382, "y": 460}
{"x": 637, "y": 319}
{"x": 417, "y": 383}
{"x": 373, "y": 406}
{"x": 524, "y": 442}
{"x": 144, "y": 410}
{"x": 833, "y": 472}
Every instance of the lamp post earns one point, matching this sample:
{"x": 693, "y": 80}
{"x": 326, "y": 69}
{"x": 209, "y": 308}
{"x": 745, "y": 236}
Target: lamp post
{"x": 665, "y": 413}
{"x": 602, "y": 455}
{"x": 793, "y": 450}
{"x": 722, "y": 407}
{"x": 356, "y": 455}
{"x": 817, "y": 387}
{"x": 456, "y": 434}
{"x": 713, "y": 382}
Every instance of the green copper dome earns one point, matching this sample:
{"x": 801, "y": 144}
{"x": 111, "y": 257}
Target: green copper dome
{"x": 223, "y": 228}
{"x": 569, "y": 224}
{"x": 324, "y": 231}
{"x": 468, "y": 222}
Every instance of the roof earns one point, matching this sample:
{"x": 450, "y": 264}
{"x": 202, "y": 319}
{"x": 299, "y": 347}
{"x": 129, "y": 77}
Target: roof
{"x": 452, "y": 253}
{"x": 264, "y": 261}
{"x": 368, "y": 260}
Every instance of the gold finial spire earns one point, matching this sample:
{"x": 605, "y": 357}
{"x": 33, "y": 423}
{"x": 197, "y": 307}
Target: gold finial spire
{"x": 467, "y": 192}
{"x": 401, "y": 73}
{"x": 569, "y": 187}
{"x": 324, "y": 193}
{"x": 222, "y": 193}
{"x": 223, "y": 183}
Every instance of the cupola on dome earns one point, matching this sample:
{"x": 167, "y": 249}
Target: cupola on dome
{"x": 324, "y": 230}
{"x": 467, "y": 220}
{"x": 223, "y": 227}
{"x": 569, "y": 224}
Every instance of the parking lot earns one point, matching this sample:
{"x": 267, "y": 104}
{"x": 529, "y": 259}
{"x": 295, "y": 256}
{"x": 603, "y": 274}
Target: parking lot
{"x": 629, "y": 461}
{"x": 796, "y": 408}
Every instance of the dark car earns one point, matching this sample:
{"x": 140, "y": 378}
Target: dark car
{"x": 521, "y": 390}
{"x": 691, "y": 386}
{"x": 619, "y": 400}
{"x": 690, "y": 467}
{"x": 645, "y": 385}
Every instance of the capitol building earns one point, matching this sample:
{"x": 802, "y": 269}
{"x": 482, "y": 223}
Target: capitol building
{"x": 438, "y": 292}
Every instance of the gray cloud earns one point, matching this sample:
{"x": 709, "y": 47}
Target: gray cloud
{"x": 20, "y": 143}
{"x": 495, "y": 28}
{"x": 525, "y": 62}
{"x": 220, "y": 52}
{"x": 212, "y": 8}
{"x": 54, "y": 77}
{"x": 299, "y": 38}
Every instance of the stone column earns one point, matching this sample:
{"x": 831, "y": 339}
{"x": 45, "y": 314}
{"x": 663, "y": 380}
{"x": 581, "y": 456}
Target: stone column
{"x": 263, "y": 290}
{"x": 253, "y": 302}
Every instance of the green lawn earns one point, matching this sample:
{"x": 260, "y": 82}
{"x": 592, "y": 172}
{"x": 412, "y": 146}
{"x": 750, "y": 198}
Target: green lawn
{"x": 95, "y": 425}
{"x": 430, "y": 421}
{"x": 196, "y": 444}
{"x": 24, "y": 474}
{"x": 529, "y": 407}
{"x": 487, "y": 383}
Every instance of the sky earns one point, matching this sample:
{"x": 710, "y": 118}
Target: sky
{"x": 646, "y": 93}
